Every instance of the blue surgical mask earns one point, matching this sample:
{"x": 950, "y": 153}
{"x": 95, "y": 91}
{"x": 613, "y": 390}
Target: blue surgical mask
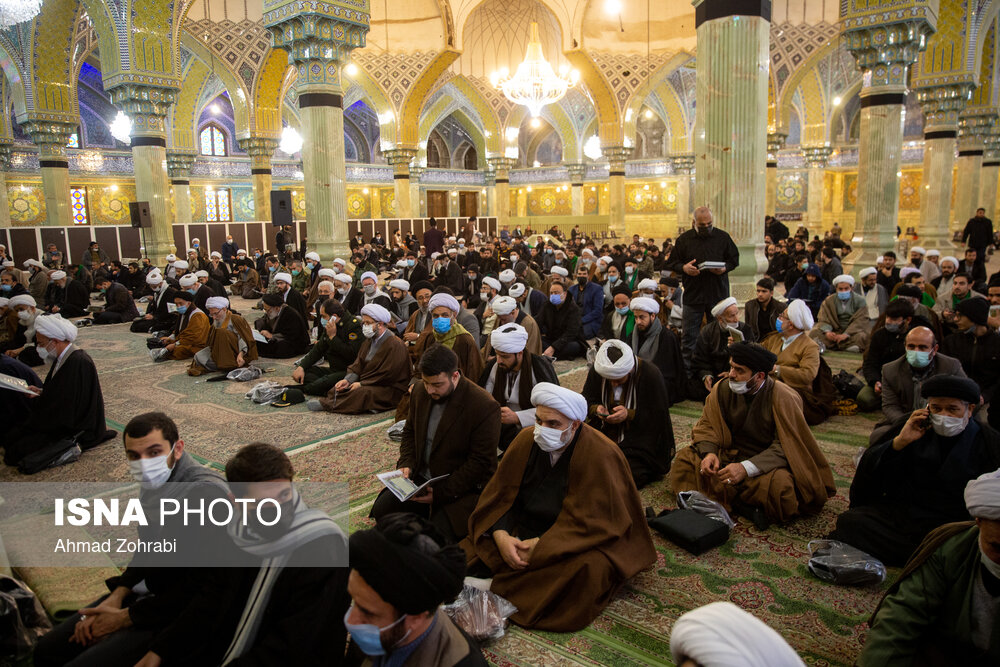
{"x": 442, "y": 325}
{"x": 6, "y": 288}
{"x": 296, "y": 272}
{"x": 192, "y": 290}
{"x": 323, "y": 322}
{"x": 411, "y": 262}
{"x": 622, "y": 311}
{"x": 272, "y": 269}
{"x": 548, "y": 251}
{"x": 311, "y": 266}
{"x": 182, "y": 309}
{"x": 844, "y": 296}
{"x": 777, "y": 325}
{"x": 613, "y": 278}
{"x": 369, "y": 637}
{"x": 918, "y": 358}
{"x": 556, "y": 299}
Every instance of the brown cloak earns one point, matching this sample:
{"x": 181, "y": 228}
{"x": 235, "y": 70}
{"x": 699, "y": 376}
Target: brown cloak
{"x": 534, "y": 344}
{"x": 857, "y": 329}
{"x": 384, "y": 380}
{"x": 804, "y": 370}
{"x": 599, "y": 540}
{"x": 226, "y": 345}
{"x": 192, "y": 337}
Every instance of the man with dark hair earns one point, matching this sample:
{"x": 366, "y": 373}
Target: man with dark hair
{"x": 886, "y": 345}
{"x": 977, "y": 348}
{"x": 340, "y": 338}
{"x": 973, "y": 267}
{"x": 560, "y": 324}
{"x": 796, "y": 269}
{"x": 286, "y": 332}
{"x": 761, "y": 313}
{"x": 452, "y": 428}
{"x": 119, "y": 306}
{"x": 888, "y": 275}
{"x": 978, "y": 234}
{"x": 433, "y": 238}
{"x": 402, "y": 570}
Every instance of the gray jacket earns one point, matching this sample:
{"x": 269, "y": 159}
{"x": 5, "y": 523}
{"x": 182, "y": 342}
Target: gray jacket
{"x": 900, "y": 390}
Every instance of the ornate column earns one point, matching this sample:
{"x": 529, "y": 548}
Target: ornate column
{"x": 51, "y": 138}
{"x": 147, "y": 106}
{"x": 973, "y": 125}
{"x": 731, "y": 127}
{"x": 775, "y": 142}
{"x": 885, "y": 47}
{"x": 683, "y": 166}
{"x": 490, "y": 207}
{"x": 990, "y": 173}
{"x": 522, "y": 201}
{"x": 941, "y": 106}
{"x": 616, "y": 155}
{"x": 260, "y": 149}
{"x": 400, "y": 159}
{"x": 5, "y": 151}
{"x": 319, "y": 38}
{"x": 577, "y": 172}
{"x": 179, "y": 165}
{"x": 502, "y": 167}
{"x": 418, "y": 209}
{"x": 816, "y": 157}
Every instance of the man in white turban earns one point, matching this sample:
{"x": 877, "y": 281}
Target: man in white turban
{"x": 68, "y": 297}
{"x": 876, "y": 298}
{"x": 626, "y": 399}
{"x": 554, "y": 547}
{"x": 658, "y": 345}
{"x": 282, "y": 282}
{"x": 842, "y": 321}
{"x": 372, "y": 293}
{"x": 710, "y": 362}
{"x": 230, "y": 340}
{"x": 721, "y": 634}
{"x": 399, "y": 292}
{"x": 511, "y": 373}
{"x": 21, "y": 345}
{"x": 159, "y": 315}
{"x": 930, "y": 268}
{"x": 508, "y": 311}
{"x": 68, "y": 405}
{"x": 943, "y": 607}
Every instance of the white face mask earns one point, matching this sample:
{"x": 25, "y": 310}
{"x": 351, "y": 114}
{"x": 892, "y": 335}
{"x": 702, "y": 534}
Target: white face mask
{"x": 948, "y": 426}
{"x": 152, "y": 472}
{"x": 368, "y": 330}
{"x": 370, "y": 290}
{"x": 991, "y": 566}
{"x": 550, "y": 439}
{"x": 738, "y": 387}
{"x": 24, "y": 315}
{"x": 343, "y": 290}
{"x": 45, "y": 354}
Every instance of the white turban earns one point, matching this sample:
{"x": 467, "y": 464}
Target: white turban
{"x": 452, "y": 251}
{"x": 399, "y": 283}
{"x": 215, "y": 255}
{"x": 151, "y": 279}
{"x": 607, "y": 260}
{"x": 401, "y": 264}
{"x": 560, "y": 271}
{"x": 933, "y": 252}
{"x": 507, "y": 276}
{"x": 587, "y": 251}
{"x": 917, "y": 248}
{"x": 446, "y": 300}
{"x": 867, "y": 271}
{"x": 516, "y": 290}
{"x": 181, "y": 265}
{"x": 720, "y": 307}
{"x": 339, "y": 262}
{"x": 435, "y": 255}
{"x": 188, "y": 280}
{"x": 33, "y": 262}
{"x": 949, "y": 258}
{"x": 314, "y": 256}
{"x": 155, "y": 270}
{"x": 844, "y": 278}
{"x": 563, "y": 400}
{"x": 982, "y": 496}
{"x": 377, "y": 313}
{"x": 327, "y": 273}
{"x": 614, "y": 370}
{"x": 343, "y": 278}
{"x": 723, "y": 635}
{"x": 241, "y": 251}
{"x": 327, "y": 283}
{"x": 509, "y": 339}
{"x": 217, "y": 302}
{"x": 798, "y": 314}
{"x": 369, "y": 274}
{"x": 503, "y": 305}
{"x": 880, "y": 259}
{"x": 196, "y": 240}
{"x": 56, "y": 328}
{"x": 647, "y": 283}
{"x": 286, "y": 277}
{"x": 907, "y": 270}
{"x": 59, "y": 275}
{"x": 646, "y": 304}
{"x": 192, "y": 251}
{"x": 171, "y": 258}
{"x": 8, "y": 263}
{"x": 492, "y": 282}
{"x": 201, "y": 274}
{"x": 22, "y": 300}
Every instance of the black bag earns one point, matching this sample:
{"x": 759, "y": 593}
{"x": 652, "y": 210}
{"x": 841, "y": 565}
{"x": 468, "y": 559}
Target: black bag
{"x": 690, "y": 530}
{"x": 52, "y": 455}
{"x": 22, "y": 618}
{"x": 848, "y": 384}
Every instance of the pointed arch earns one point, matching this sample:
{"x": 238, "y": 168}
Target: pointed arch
{"x": 269, "y": 90}
{"x": 678, "y": 123}
{"x": 379, "y": 101}
{"x": 184, "y": 112}
{"x": 652, "y": 84}
{"x": 49, "y": 60}
{"x": 608, "y": 115}
{"x": 238, "y": 94}
{"x": 409, "y": 113}
{"x": 795, "y": 80}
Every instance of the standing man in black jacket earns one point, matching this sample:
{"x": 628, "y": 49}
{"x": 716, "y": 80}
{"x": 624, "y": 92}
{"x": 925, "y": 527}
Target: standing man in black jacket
{"x": 702, "y": 289}
{"x": 978, "y": 234}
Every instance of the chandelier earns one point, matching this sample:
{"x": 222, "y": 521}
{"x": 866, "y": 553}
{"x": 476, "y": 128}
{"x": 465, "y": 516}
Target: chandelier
{"x": 13, "y": 12}
{"x": 535, "y": 83}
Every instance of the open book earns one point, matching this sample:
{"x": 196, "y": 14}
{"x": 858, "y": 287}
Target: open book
{"x": 402, "y": 487}
{"x": 259, "y": 337}
{"x": 14, "y": 384}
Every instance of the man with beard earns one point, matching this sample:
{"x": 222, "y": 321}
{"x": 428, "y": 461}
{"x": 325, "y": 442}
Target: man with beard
{"x": 286, "y": 332}
{"x": 158, "y": 316}
{"x": 507, "y": 312}
{"x": 420, "y": 318}
{"x": 658, "y": 345}
{"x": 230, "y": 341}
{"x": 876, "y": 298}
{"x": 711, "y": 356}
{"x": 66, "y": 296}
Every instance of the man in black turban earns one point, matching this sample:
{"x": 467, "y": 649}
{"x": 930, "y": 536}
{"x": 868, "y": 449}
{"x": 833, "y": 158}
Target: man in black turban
{"x": 401, "y": 573}
{"x": 913, "y": 479}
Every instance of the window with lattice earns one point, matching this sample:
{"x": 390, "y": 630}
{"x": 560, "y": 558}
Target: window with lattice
{"x": 213, "y": 141}
{"x": 78, "y": 204}
{"x": 218, "y": 206}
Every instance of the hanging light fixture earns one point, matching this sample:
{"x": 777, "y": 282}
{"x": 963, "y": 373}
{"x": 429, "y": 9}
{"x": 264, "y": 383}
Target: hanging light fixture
{"x": 535, "y": 83}
{"x": 13, "y": 12}
{"x": 121, "y": 128}
{"x": 291, "y": 141}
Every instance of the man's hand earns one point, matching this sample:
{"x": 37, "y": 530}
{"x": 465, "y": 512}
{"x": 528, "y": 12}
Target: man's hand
{"x": 342, "y": 386}
{"x": 832, "y": 336}
{"x": 405, "y": 472}
{"x": 507, "y": 546}
{"x": 299, "y": 374}
{"x": 526, "y": 549}
{"x": 549, "y": 352}
{"x": 601, "y": 412}
{"x": 878, "y": 387}
{"x": 331, "y": 328}
{"x": 55, "y": 309}
{"x": 427, "y": 497}
{"x": 99, "y": 622}
{"x": 708, "y": 382}
{"x": 411, "y": 336}
{"x": 170, "y": 347}
{"x": 718, "y": 272}
{"x": 354, "y": 386}
{"x": 842, "y": 337}
{"x": 36, "y": 390}
{"x": 690, "y": 269}
{"x": 913, "y": 429}
{"x": 240, "y": 360}
{"x": 710, "y": 464}
{"x": 147, "y": 316}
{"x": 508, "y": 416}
{"x": 734, "y": 473}
{"x": 619, "y": 415}
{"x": 149, "y": 660}
{"x": 267, "y": 334}
{"x": 81, "y": 631}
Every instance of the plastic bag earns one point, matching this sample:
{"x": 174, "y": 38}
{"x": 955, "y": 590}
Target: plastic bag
{"x": 396, "y": 430}
{"x": 482, "y": 614}
{"x": 265, "y": 392}
{"x": 22, "y": 618}
{"x": 702, "y": 504}
{"x": 843, "y": 564}
{"x": 245, "y": 374}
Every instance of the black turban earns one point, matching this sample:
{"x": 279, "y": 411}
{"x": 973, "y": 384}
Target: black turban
{"x": 273, "y": 299}
{"x": 909, "y": 290}
{"x": 949, "y": 386}
{"x": 622, "y": 289}
{"x": 419, "y": 285}
{"x": 976, "y": 309}
{"x": 753, "y": 355}
{"x": 403, "y": 560}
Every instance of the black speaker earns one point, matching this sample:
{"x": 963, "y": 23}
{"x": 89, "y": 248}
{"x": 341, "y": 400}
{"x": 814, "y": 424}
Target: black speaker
{"x": 281, "y": 208}
{"x": 139, "y": 213}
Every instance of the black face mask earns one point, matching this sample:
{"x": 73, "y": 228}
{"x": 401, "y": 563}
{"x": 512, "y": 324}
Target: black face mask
{"x": 703, "y": 231}
{"x": 581, "y": 281}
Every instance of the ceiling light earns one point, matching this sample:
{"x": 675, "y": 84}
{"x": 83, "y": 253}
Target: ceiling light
{"x": 291, "y": 141}
{"x": 214, "y": 108}
{"x": 121, "y": 128}
{"x": 592, "y": 148}
{"x": 536, "y": 123}
{"x": 351, "y": 69}
{"x": 535, "y": 83}
{"x": 13, "y": 12}
{"x": 612, "y": 6}
{"x": 837, "y": 101}
{"x": 648, "y": 114}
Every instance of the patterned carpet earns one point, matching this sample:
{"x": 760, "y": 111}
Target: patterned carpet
{"x": 762, "y": 572}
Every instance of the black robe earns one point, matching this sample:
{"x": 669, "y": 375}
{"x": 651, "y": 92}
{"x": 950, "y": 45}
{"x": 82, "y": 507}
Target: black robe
{"x": 72, "y": 300}
{"x": 158, "y": 307}
{"x": 541, "y": 371}
{"x": 15, "y": 407}
{"x": 668, "y": 359}
{"x": 291, "y": 336}
{"x": 71, "y": 403}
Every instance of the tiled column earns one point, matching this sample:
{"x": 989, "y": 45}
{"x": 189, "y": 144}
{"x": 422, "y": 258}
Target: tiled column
{"x": 816, "y": 157}
{"x": 490, "y": 207}
{"x": 973, "y": 125}
{"x": 418, "y": 208}
{"x": 683, "y": 166}
{"x": 51, "y": 138}
{"x": 522, "y": 201}
{"x": 319, "y": 39}
{"x": 179, "y": 165}
{"x": 884, "y": 53}
{"x": 260, "y": 149}
{"x": 577, "y": 172}
{"x": 990, "y": 173}
{"x": 775, "y": 142}
{"x": 502, "y": 167}
{"x": 400, "y": 159}
{"x": 147, "y": 107}
{"x": 616, "y": 156}
{"x": 731, "y": 127}
{"x": 941, "y": 106}
{"x": 5, "y": 150}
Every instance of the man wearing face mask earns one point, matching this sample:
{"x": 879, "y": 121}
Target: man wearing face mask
{"x": 286, "y": 332}
{"x": 158, "y": 316}
{"x": 379, "y": 376}
{"x": 402, "y": 571}
{"x": 66, "y": 296}
{"x": 554, "y": 548}
{"x": 911, "y": 481}
{"x": 751, "y": 448}
{"x": 589, "y": 298}
{"x": 190, "y": 334}
{"x": 710, "y": 362}
{"x": 416, "y": 270}
{"x": 22, "y": 345}
{"x": 489, "y": 289}
{"x": 10, "y": 284}
{"x": 977, "y": 348}
{"x": 119, "y": 306}
{"x": 229, "y": 251}
{"x": 886, "y": 345}
{"x": 291, "y": 297}
{"x": 449, "y": 272}
{"x": 69, "y": 404}
{"x": 370, "y": 293}
{"x": 619, "y": 323}
{"x": 230, "y": 341}
{"x": 842, "y": 321}
{"x": 340, "y": 338}
{"x": 656, "y": 344}
{"x": 148, "y": 607}
{"x": 943, "y": 606}
{"x": 559, "y": 323}
{"x": 903, "y": 378}
{"x": 349, "y": 296}
{"x": 612, "y": 281}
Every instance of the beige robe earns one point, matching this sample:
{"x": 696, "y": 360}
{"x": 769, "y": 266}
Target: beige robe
{"x": 534, "y": 344}
{"x": 803, "y": 369}
{"x": 857, "y": 329}
{"x": 383, "y": 379}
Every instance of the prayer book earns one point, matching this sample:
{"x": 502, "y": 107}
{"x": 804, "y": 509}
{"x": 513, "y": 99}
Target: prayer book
{"x": 259, "y": 337}
{"x": 711, "y": 265}
{"x": 402, "y": 487}
{"x": 171, "y": 308}
{"x": 14, "y": 384}
{"x": 736, "y": 334}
